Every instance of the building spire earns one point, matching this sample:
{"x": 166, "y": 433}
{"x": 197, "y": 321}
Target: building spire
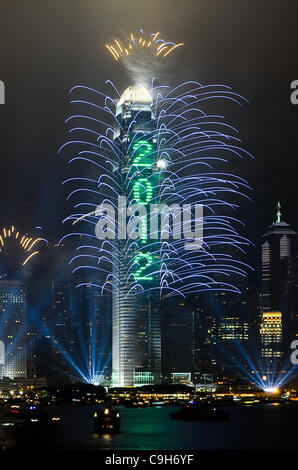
{"x": 278, "y": 213}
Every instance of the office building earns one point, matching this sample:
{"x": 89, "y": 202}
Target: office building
{"x": 13, "y": 328}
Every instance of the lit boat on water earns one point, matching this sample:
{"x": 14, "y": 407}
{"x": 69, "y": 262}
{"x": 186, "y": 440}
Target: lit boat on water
{"x": 27, "y": 422}
{"x": 107, "y": 419}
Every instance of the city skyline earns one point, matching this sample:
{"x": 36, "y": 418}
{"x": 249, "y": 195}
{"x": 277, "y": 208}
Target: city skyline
{"x": 231, "y": 320}
{"x": 149, "y": 231}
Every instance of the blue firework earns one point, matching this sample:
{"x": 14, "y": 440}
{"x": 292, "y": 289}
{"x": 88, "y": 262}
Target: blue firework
{"x": 190, "y": 151}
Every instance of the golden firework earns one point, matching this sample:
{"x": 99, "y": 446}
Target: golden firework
{"x": 25, "y": 242}
{"x": 127, "y": 47}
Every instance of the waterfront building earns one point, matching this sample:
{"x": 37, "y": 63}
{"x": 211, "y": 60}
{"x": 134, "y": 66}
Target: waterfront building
{"x": 279, "y": 293}
{"x": 136, "y": 351}
{"x": 13, "y": 328}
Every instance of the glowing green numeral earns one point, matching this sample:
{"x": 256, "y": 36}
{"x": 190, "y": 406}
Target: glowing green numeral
{"x": 141, "y": 269}
{"x": 142, "y": 149}
{"x": 143, "y": 187}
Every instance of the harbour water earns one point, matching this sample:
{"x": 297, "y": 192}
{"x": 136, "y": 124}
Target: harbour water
{"x": 255, "y": 427}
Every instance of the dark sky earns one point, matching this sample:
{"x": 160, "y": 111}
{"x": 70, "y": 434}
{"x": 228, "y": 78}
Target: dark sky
{"x": 46, "y": 47}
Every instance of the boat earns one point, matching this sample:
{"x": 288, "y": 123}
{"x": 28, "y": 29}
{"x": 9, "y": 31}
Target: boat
{"x": 106, "y": 419}
{"x": 200, "y": 413}
{"x": 29, "y": 425}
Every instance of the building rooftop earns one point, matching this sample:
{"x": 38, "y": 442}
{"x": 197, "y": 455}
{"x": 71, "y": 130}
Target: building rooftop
{"x": 279, "y": 226}
{"x": 135, "y": 94}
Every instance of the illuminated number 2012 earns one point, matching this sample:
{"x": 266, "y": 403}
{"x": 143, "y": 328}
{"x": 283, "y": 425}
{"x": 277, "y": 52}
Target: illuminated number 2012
{"x": 142, "y": 148}
{"x": 149, "y": 260}
{"x": 142, "y": 191}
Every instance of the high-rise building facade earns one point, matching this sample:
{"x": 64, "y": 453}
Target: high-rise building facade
{"x": 224, "y": 329}
{"x": 136, "y": 352}
{"x": 13, "y": 328}
{"x": 204, "y": 335}
{"x": 32, "y": 351}
{"x": 271, "y": 335}
{"x": 178, "y": 339}
{"x": 19, "y": 257}
{"x": 61, "y": 329}
{"x": 92, "y": 333}
{"x": 279, "y": 289}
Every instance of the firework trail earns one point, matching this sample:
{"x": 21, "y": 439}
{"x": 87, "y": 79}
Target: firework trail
{"x": 143, "y": 56}
{"x": 11, "y": 238}
{"x": 185, "y": 145}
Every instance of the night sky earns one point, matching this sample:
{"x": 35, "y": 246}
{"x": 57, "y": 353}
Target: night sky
{"x": 46, "y": 47}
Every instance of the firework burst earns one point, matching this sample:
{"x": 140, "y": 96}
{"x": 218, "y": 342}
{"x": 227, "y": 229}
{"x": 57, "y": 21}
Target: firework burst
{"x": 153, "y": 44}
{"x": 11, "y": 238}
{"x": 185, "y": 145}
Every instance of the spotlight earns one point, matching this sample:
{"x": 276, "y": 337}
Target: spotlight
{"x": 271, "y": 390}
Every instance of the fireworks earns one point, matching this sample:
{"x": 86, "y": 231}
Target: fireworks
{"x": 183, "y": 146}
{"x": 152, "y": 146}
{"x": 24, "y": 242}
{"x": 153, "y": 43}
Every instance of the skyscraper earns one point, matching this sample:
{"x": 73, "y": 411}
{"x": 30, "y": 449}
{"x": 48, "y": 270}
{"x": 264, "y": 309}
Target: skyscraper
{"x": 231, "y": 341}
{"x": 178, "y": 336}
{"x": 136, "y": 351}
{"x": 92, "y": 329}
{"x": 13, "y": 328}
{"x": 271, "y": 335}
{"x": 32, "y": 351}
{"x": 224, "y": 331}
{"x": 279, "y": 303}
{"x": 18, "y": 261}
{"x": 62, "y": 330}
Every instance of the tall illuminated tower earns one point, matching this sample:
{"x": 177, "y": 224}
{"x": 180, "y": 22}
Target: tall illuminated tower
{"x": 159, "y": 147}
{"x": 279, "y": 302}
{"x": 136, "y": 355}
